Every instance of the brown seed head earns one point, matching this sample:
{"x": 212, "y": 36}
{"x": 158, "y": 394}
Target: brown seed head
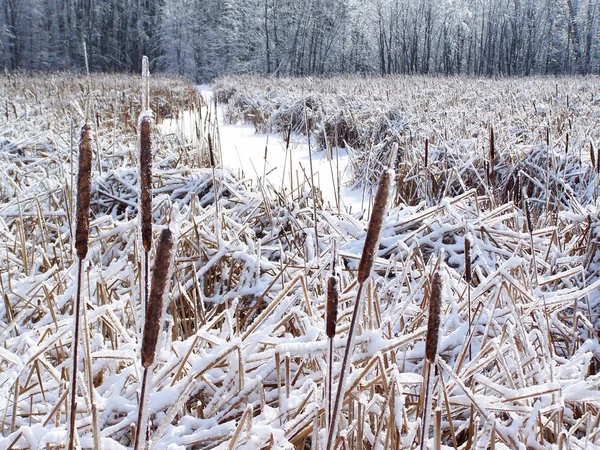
{"x": 528, "y": 217}
{"x": 333, "y": 296}
{"x": 433, "y": 322}
{"x": 84, "y": 189}
{"x": 211, "y": 152}
{"x": 492, "y": 147}
{"x": 467, "y": 259}
{"x": 157, "y": 292}
{"x": 375, "y": 225}
{"x": 146, "y": 180}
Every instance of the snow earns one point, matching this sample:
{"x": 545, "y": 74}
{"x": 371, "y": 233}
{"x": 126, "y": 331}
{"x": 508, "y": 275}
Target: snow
{"x": 267, "y": 160}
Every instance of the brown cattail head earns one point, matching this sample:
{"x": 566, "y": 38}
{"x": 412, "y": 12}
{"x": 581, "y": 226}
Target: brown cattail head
{"x": 211, "y": 151}
{"x": 567, "y": 143}
{"x": 154, "y": 310}
{"x": 333, "y": 295}
{"x": 84, "y": 189}
{"x": 592, "y": 155}
{"x": 433, "y": 322}
{"x": 145, "y": 127}
{"x": 375, "y": 225}
{"x": 528, "y": 217}
{"x": 492, "y": 150}
{"x": 468, "y": 259}
{"x": 426, "y": 151}
{"x": 517, "y": 189}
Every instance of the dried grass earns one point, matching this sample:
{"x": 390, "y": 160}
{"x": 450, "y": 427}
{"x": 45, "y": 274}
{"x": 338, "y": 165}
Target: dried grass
{"x": 247, "y": 344}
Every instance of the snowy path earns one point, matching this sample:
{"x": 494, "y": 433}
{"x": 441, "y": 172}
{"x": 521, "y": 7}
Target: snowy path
{"x": 243, "y": 151}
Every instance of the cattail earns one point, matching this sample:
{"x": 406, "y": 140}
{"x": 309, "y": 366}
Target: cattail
{"x": 157, "y": 292}
{"x": 211, "y": 152}
{"x": 332, "y": 310}
{"x": 528, "y": 217}
{"x": 433, "y": 322}
{"x": 426, "y": 151}
{"x": 492, "y": 148}
{"x": 332, "y": 305}
{"x": 467, "y": 259}
{"x": 84, "y": 188}
{"x": 598, "y": 161}
{"x": 375, "y": 225}
{"x": 82, "y": 231}
{"x": 364, "y": 271}
{"x": 333, "y": 296}
{"x": 145, "y": 126}
{"x": 567, "y": 143}
{"x": 592, "y": 155}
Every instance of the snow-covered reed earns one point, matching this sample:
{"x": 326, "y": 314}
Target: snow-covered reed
{"x": 454, "y": 134}
{"x": 242, "y": 358}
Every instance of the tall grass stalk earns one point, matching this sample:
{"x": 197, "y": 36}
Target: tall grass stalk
{"x": 364, "y": 271}
{"x": 82, "y": 230}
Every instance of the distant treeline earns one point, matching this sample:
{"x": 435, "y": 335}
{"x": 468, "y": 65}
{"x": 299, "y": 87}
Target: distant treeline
{"x": 202, "y": 39}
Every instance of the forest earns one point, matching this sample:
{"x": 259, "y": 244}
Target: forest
{"x": 204, "y": 39}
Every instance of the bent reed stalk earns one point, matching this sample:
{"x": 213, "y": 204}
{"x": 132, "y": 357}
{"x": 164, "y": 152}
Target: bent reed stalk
{"x": 152, "y": 325}
{"x": 364, "y": 271}
{"x": 82, "y": 231}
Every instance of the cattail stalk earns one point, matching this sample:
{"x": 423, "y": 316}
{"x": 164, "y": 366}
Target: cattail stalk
{"x": 468, "y": 274}
{"x": 82, "y": 231}
{"x": 145, "y": 124}
{"x": 331, "y": 317}
{"x": 431, "y": 348}
{"x": 364, "y": 271}
{"x": 152, "y": 324}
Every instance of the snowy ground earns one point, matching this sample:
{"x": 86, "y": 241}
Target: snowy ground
{"x": 243, "y": 151}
